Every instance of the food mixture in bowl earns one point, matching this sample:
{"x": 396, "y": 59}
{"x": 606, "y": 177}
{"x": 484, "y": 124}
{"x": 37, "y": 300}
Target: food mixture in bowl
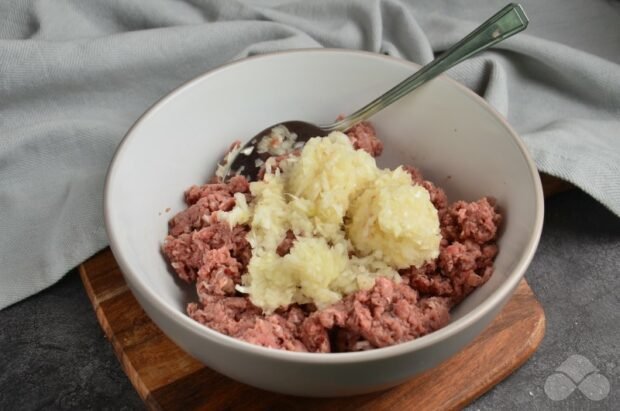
{"x": 326, "y": 252}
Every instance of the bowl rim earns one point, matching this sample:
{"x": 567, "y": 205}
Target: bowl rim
{"x": 453, "y": 328}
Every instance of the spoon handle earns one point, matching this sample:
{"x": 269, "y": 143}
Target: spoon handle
{"x": 508, "y": 21}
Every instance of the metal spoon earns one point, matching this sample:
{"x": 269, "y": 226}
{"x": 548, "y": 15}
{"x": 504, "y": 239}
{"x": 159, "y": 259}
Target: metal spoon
{"x": 508, "y": 21}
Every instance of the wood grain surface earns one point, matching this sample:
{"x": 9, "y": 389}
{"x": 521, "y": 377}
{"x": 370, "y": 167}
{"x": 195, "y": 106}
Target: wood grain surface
{"x": 169, "y": 379}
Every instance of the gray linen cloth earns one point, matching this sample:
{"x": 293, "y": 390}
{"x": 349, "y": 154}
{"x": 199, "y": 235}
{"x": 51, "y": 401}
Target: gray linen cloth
{"x": 75, "y": 74}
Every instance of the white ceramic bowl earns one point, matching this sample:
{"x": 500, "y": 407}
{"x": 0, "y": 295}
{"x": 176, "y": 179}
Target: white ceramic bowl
{"x": 456, "y": 139}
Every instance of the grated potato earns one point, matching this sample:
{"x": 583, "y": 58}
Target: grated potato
{"x": 328, "y": 174}
{"x": 396, "y": 218}
{"x": 391, "y": 224}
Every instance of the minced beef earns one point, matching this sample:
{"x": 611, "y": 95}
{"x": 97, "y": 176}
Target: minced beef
{"x": 285, "y": 246}
{"x": 466, "y": 252}
{"x": 387, "y": 314}
{"x": 203, "y": 201}
{"x": 208, "y": 253}
{"x": 363, "y": 136}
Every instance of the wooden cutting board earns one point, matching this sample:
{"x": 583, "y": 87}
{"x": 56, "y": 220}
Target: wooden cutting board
{"x": 169, "y": 379}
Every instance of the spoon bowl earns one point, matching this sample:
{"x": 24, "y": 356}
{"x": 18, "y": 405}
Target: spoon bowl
{"x": 249, "y": 159}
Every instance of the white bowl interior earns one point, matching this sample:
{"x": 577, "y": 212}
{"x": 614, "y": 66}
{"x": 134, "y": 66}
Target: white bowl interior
{"x": 443, "y": 129}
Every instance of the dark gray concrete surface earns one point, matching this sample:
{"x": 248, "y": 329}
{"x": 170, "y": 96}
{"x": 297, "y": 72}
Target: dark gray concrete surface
{"x": 53, "y": 354}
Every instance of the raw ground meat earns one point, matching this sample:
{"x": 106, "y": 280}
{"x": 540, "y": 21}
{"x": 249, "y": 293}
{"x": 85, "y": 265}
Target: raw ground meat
{"x": 207, "y": 252}
{"x": 363, "y": 136}
{"x": 466, "y": 251}
{"x": 196, "y": 241}
{"x": 285, "y": 246}
{"x": 387, "y": 314}
{"x": 203, "y": 201}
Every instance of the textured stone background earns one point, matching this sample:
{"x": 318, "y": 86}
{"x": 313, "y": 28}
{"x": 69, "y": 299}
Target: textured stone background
{"x": 53, "y": 355}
